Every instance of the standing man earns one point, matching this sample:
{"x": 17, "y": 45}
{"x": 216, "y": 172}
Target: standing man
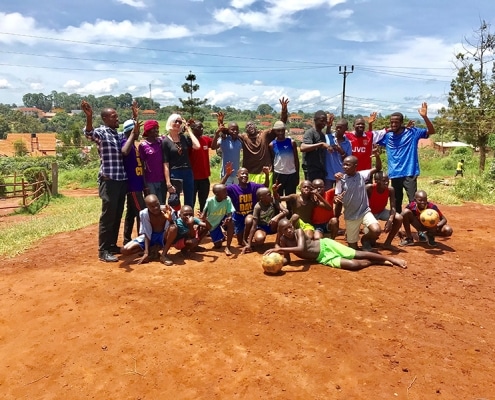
{"x": 285, "y": 161}
{"x": 112, "y": 179}
{"x": 401, "y": 144}
{"x": 362, "y": 141}
{"x": 200, "y": 164}
{"x": 255, "y": 150}
{"x": 341, "y": 148}
{"x": 314, "y": 148}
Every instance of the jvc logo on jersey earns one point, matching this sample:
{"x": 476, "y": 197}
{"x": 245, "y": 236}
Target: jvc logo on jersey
{"x": 359, "y": 150}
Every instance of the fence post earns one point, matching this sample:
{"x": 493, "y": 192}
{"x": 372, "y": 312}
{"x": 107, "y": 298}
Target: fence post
{"x": 54, "y": 179}
{"x": 24, "y": 193}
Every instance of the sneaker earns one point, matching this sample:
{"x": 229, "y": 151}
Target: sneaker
{"x": 114, "y": 249}
{"x": 431, "y": 241}
{"x": 407, "y": 242}
{"x": 106, "y": 256}
{"x": 422, "y": 237}
{"x": 167, "y": 261}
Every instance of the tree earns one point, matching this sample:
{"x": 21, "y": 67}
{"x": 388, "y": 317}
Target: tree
{"x": 20, "y": 148}
{"x": 265, "y": 109}
{"x": 191, "y": 104}
{"x": 472, "y": 98}
{"x": 4, "y": 127}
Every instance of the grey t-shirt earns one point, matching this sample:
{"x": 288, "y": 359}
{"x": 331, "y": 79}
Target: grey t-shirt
{"x": 355, "y": 200}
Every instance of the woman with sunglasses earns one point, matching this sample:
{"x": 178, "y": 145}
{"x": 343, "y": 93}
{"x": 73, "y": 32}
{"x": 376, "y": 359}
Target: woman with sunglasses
{"x": 176, "y": 164}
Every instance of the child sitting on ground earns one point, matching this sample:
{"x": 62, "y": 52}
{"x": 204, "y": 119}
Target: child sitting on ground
{"x": 184, "y": 234}
{"x": 327, "y": 251}
{"x": 323, "y": 218}
{"x": 217, "y": 214}
{"x": 154, "y": 221}
{"x": 379, "y": 194}
{"x": 265, "y": 218}
{"x": 243, "y": 196}
{"x": 411, "y": 216}
{"x": 302, "y": 204}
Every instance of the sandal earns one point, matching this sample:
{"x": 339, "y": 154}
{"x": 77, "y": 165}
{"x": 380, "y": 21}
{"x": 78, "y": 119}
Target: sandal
{"x": 407, "y": 242}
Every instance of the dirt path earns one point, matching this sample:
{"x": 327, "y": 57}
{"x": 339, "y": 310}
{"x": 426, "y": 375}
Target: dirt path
{"x": 211, "y": 327}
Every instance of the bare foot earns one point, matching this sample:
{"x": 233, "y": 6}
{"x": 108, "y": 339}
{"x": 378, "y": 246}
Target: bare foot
{"x": 227, "y": 251}
{"x": 396, "y": 261}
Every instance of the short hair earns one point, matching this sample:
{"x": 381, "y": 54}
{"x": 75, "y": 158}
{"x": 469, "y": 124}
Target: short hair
{"x": 398, "y": 114}
{"x": 171, "y": 120}
{"x": 320, "y": 113}
{"x": 217, "y": 187}
{"x": 261, "y": 191}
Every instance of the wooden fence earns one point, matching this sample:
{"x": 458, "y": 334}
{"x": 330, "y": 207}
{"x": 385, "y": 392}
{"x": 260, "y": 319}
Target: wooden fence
{"x": 29, "y": 192}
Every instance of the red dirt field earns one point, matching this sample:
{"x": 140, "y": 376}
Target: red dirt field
{"x": 211, "y": 327}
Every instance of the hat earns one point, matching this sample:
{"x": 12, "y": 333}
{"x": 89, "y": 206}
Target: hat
{"x": 150, "y": 124}
{"x": 279, "y": 125}
{"x": 173, "y": 200}
{"x": 128, "y": 125}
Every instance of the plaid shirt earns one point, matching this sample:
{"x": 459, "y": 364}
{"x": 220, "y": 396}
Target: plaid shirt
{"x": 110, "y": 151}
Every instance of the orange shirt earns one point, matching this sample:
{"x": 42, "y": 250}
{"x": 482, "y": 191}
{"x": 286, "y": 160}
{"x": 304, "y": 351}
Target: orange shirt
{"x": 321, "y": 215}
{"x": 378, "y": 201}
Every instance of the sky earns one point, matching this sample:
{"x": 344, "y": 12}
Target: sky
{"x": 243, "y": 52}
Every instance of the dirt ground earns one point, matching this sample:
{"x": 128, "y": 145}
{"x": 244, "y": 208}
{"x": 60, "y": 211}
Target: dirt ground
{"x": 216, "y": 327}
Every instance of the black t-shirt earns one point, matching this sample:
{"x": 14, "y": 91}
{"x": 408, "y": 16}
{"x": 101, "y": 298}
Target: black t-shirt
{"x": 176, "y": 153}
{"x": 314, "y": 160}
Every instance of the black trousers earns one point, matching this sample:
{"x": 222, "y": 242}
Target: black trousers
{"x": 410, "y": 184}
{"x": 288, "y": 183}
{"x": 134, "y": 204}
{"x": 201, "y": 191}
{"x": 112, "y": 194}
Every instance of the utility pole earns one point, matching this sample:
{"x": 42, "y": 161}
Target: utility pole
{"x": 151, "y": 100}
{"x": 343, "y": 71}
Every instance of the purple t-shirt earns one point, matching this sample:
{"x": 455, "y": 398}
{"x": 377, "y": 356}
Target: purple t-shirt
{"x": 244, "y": 199}
{"x": 151, "y": 156}
{"x": 133, "y": 169}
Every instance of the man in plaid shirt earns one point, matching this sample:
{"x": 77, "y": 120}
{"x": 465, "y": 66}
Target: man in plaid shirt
{"x": 112, "y": 179}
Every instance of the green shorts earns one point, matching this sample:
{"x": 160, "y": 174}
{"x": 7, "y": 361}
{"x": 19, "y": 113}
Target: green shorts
{"x": 332, "y": 252}
{"x": 260, "y": 178}
{"x": 304, "y": 225}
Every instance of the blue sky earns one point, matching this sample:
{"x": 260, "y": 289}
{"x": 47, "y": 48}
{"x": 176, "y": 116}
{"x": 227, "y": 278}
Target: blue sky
{"x": 243, "y": 52}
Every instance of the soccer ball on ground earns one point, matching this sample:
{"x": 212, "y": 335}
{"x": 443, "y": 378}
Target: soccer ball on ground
{"x": 272, "y": 263}
{"x": 429, "y": 218}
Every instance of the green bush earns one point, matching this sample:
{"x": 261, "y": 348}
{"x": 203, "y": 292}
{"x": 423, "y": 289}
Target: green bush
{"x": 32, "y": 174}
{"x": 215, "y": 160}
{"x": 3, "y": 188}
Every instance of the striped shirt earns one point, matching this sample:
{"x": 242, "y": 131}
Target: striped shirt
{"x": 110, "y": 151}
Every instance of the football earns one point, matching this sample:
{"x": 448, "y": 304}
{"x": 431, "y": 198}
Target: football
{"x": 429, "y": 218}
{"x": 272, "y": 263}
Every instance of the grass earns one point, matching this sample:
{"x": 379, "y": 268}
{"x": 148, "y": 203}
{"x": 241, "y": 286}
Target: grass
{"x": 64, "y": 214}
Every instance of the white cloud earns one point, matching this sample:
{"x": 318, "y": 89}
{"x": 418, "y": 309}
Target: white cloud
{"x": 36, "y": 86}
{"x": 71, "y": 84}
{"x": 257, "y": 83}
{"x": 309, "y": 96}
{"x": 241, "y": 3}
{"x": 343, "y": 14}
{"x": 222, "y": 98}
{"x": 133, "y": 3}
{"x": 99, "y": 88}
{"x": 4, "y": 84}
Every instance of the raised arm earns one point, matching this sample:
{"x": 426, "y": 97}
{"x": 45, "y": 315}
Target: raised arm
{"x": 423, "y": 111}
{"x": 284, "y": 114}
{"x": 195, "y": 142}
{"x": 86, "y": 107}
{"x": 126, "y": 149}
{"x": 371, "y": 119}
{"x": 229, "y": 168}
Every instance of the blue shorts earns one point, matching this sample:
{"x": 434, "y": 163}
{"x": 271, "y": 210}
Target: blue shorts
{"x": 239, "y": 223}
{"x": 216, "y": 234}
{"x": 266, "y": 228}
{"x": 321, "y": 227}
{"x": 156, "y": 238}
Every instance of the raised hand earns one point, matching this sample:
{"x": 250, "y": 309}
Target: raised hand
{"x": 330, "y": 119}
{"x": 423, "y": 111}
{"x": 229, "y": 168}
{"x": 135, "y": 110}
{"x": 410, "y": 123}
{"x": 220, "y": 117}
{"x": 86, "y": 107}
{"x": 372, "y": 117}
{"x": 275, "y": 188}
{"x": 266, "y": 169}
{"x": 284, "y": 102}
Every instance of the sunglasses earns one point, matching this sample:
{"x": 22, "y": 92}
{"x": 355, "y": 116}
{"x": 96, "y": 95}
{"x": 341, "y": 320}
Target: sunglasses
{"x": 178, "y": 121}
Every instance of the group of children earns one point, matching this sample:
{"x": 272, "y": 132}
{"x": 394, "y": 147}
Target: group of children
{"x": 300, "y": 221}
